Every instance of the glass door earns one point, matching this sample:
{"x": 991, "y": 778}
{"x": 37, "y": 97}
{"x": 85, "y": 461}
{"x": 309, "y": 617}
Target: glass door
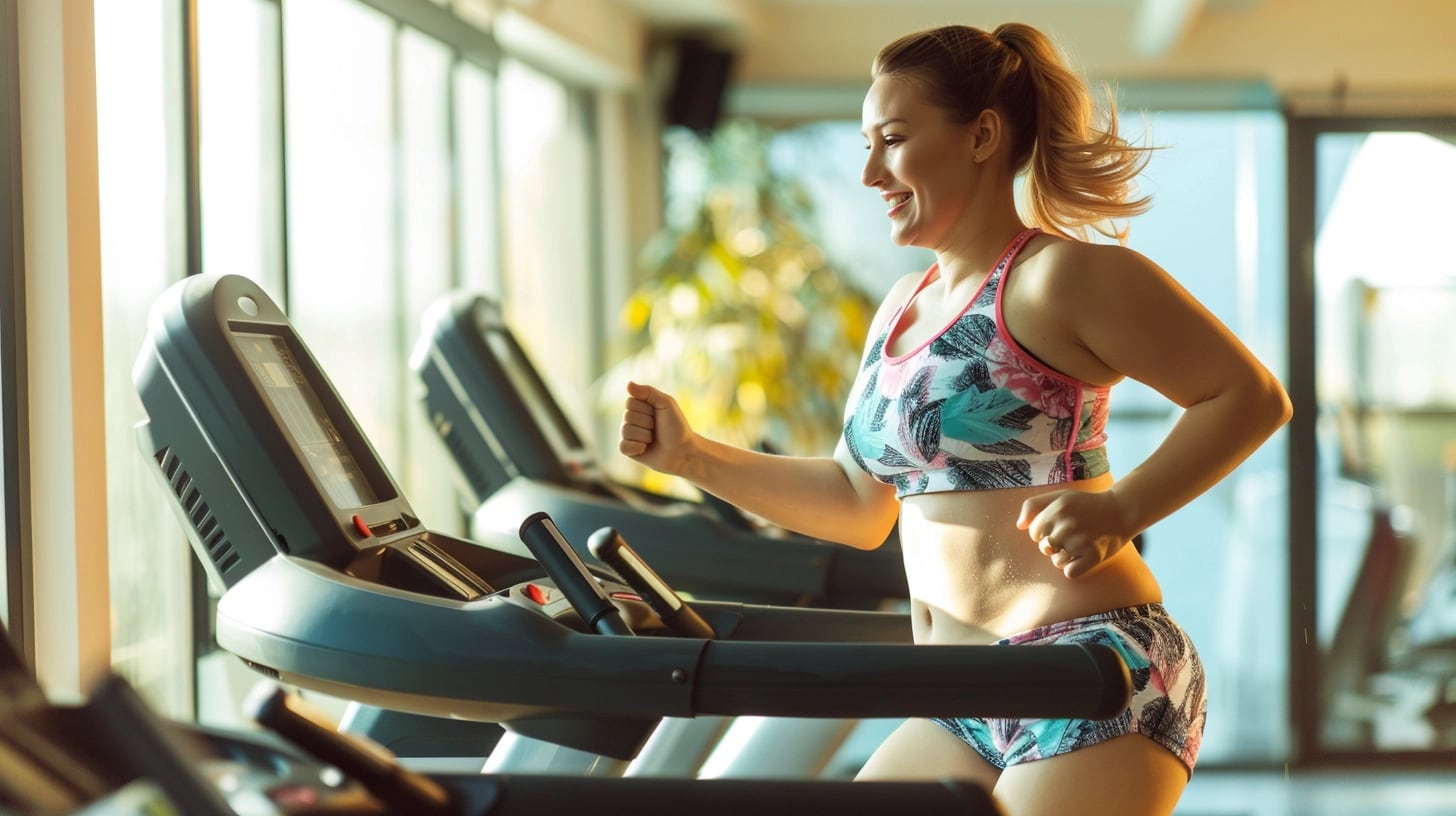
{"x": 1384, "y": 440}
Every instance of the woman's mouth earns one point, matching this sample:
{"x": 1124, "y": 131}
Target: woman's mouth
{"x": 896, "y": 201}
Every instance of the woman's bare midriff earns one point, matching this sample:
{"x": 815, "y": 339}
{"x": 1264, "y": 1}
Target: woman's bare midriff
{"x": 974, "y": 576}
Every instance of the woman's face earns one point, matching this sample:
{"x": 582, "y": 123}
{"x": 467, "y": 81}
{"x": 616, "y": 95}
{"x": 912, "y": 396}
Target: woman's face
{"x": 920, "y": 163}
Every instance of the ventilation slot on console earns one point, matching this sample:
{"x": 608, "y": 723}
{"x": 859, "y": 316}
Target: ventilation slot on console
{"x": 267, "y": 671}
{"x": 472, "y": 469}
{"x": 209, "y": 532}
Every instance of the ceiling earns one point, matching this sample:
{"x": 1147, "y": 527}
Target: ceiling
{"x": 1157, "y": 25}
{"x": 1342, "y": 56}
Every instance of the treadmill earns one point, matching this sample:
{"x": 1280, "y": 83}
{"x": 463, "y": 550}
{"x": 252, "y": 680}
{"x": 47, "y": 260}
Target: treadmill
{"x": 516, "y": 453}
{"x": 110, "y": 755}
{"x": 333, "y": 584}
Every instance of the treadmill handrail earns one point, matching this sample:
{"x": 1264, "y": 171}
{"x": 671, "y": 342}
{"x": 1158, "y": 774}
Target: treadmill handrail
{"x": 431, "y": 655}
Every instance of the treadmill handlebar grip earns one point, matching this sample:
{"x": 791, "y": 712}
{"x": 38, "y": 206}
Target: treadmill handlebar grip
{"x": 401, "y": 789}
{"x": 608, "y": 545}
{"x": 869, "y": 680}
{"x": 541, "y": 536}
{"x": 1117, "y": 687}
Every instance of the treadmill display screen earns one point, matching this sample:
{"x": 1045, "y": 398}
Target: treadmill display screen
{"x": 532, "y": 391}
{"x": 295, "y": 402}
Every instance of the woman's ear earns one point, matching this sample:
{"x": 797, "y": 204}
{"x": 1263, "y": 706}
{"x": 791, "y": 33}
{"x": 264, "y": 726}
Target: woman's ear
{"x": 987, "y": 132}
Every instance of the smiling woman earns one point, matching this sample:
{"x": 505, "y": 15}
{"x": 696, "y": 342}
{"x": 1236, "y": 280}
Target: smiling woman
{"x": 1233, "y": 196}
{"x": 979, "y": 417}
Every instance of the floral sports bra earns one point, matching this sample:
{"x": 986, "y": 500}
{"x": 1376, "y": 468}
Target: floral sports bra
{"x": 969, "y": 409}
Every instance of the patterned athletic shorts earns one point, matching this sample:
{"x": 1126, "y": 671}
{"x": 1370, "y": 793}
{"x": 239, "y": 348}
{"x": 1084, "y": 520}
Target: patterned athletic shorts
{"x": 1169, "y": 698}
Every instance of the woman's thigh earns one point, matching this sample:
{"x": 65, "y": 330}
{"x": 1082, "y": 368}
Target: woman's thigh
{"x": 1128, "y": 775}
{"x": 920, "y": 750}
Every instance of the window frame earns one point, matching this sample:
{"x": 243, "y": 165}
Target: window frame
{"x": 14, "y": 399}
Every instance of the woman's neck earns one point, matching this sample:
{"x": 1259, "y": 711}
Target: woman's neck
{"x": 976, "y": 249}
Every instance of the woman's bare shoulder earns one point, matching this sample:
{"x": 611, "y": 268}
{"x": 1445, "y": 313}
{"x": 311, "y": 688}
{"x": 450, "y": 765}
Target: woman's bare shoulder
{"x": 1068, "y": 256}
{"x": 1082, "y": 270}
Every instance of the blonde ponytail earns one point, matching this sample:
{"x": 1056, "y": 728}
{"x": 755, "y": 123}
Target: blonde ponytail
{"x": 1077, "y": 173}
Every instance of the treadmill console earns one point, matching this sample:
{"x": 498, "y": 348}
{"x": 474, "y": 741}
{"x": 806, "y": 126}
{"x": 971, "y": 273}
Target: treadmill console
{"x": 264, "y": 458}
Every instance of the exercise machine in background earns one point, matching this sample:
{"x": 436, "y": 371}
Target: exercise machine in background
{"x": 516, "y": 453}
{"x": 112, "y": 756}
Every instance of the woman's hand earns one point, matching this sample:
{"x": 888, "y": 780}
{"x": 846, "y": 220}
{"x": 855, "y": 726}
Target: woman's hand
{"x": 1076, "y": 529}
{"x": 654, "y": 430}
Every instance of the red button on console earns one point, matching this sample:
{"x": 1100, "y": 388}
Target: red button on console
{"x": 537, "y": 594}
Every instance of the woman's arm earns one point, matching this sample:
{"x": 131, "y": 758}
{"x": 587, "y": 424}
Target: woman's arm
{"x": 823, "y": 497}
{"x": 829, "y": 498}
{"x": 1135, "y": 320}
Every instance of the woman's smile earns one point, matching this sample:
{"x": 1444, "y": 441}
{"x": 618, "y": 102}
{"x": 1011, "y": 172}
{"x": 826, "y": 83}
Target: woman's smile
{"x": 897, "y": 202}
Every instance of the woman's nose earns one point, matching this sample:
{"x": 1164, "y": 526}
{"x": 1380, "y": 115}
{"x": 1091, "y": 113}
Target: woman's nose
{"x": 873, "y": 171}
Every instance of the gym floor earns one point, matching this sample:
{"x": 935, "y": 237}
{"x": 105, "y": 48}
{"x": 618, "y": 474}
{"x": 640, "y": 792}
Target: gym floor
{"x": 1320, "y": 793}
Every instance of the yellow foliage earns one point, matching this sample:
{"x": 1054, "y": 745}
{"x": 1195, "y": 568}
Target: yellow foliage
{"x": 741, "y": 317}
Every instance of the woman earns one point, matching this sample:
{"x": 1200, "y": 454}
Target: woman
{"x": 978, "y": 418}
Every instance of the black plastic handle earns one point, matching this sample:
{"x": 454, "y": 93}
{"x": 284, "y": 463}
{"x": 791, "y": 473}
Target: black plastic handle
{"x": 402, "y": 789}
{"x": 541, "y": 536}
{"x": 609, "y": 546}
{"x": 134, "y": 740}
